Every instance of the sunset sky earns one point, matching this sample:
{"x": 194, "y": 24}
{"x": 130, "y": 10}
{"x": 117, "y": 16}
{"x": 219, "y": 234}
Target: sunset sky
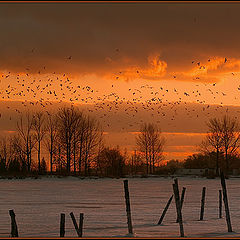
{"x": 174, "y": 64}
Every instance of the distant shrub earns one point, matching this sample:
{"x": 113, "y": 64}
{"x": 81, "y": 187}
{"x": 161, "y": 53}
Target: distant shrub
{"x": 14, "y": 166}
{"x": 43, "y": 166}
{"x": 3, "y": 166}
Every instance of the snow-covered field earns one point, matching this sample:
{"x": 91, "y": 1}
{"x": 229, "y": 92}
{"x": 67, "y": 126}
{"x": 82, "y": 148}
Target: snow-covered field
{"x": 38, "y": 203}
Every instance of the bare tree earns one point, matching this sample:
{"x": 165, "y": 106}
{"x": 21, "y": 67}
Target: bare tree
{"x": 150, "y": 142}
{"x": 3, "y": 153}
{"x": 68, "y": 121}
{"x": 78, "y": 135}
{"x": 81, "y": 135}
{"x": 78, "y": 141}
{"x": 92, "y": 139}
{"x": 136, "y": 162}
{"x": 24, "y": 129}
{"x": 213, "y": 141}
{"x": 58, "y": 159}
{"x": 51, "y": 139}
{"x": 98, "y": 162}
{"x": 230, "y": 137}
{"x": 16, "y": 152}
{"x": 39, "y": 131}
{"x": 143, "y": 143}
{"x": 223, "y": 135}
{"x": 74, "y": 151}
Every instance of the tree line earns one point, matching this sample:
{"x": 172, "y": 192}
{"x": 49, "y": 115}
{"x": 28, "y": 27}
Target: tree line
{"x": 75, "y": 145}
{"x": 74, "y": 142}
{"x": 219, "y": 149}
{"x": 223, "y": 141}
{"x": 70, "y": 137}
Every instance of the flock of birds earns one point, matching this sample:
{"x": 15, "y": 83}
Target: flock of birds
{"x": 45, "y": 89}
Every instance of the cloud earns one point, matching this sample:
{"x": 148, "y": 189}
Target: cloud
{"x": 154, "y": 69}
{"x": 207, "y": 71}
{"x": 46, "y": 34}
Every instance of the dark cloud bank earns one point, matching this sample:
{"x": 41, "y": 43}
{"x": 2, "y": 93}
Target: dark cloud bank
{"x": 45, "y": 34}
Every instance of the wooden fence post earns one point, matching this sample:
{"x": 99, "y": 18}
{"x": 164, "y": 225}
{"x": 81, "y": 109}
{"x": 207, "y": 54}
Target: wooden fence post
{"x": 220, "y": 203}
{"x": 81, "y": 224}
{"x": 165, "y": 210}
{"x": 178, "y": 207}
{"x": 225, "y": 200}
{"x": 176, "y": 182}
{"x": 75, "y": 224}
{"x": 128, "y": 209}
{"x": 202, "y": 203}
{"x": 14, "y": 229}
{"x": 62, "y": 225}
{"x": 182, "y": 196}
{"x": 182, "y": 199}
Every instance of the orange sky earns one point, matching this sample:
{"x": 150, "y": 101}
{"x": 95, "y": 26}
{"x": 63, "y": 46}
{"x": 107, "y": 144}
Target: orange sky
{"x": 175, "y": 64}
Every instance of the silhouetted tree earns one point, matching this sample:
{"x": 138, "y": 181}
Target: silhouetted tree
{"x": 199, "y": 160}
{"x": 14, "y": 166}
{"x": 223, "y": 135}
{"x": 213, "y": 141}
{"x": 230, "y": 137}
{"x": 43, "y": 166}
{"x": 170, "y": 167}
{"x": 68, "y": 121}
{"x": 3, "y": 154}
{"x": 39, "y": 131}
{"x": 51, "y": 137}
{"x": 111, "y": 162}
{"x": 91, "y": 142}
{"x": 81, "y": 135}
{"x": 136, "y": 163}
{"x": 24, "y": 129}
{"x": 16, "y": 152}
{"x": 78, "y": 135}
{"x": 150, "y": 142}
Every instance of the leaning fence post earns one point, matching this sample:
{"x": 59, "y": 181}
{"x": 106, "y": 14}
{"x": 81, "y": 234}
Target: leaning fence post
{"x": 182, "y": 196}
{"x": 128, "y": 209}
{"x": 14, "y": 229}
{"x": 225, "y": 200}
{"x": 202, "y": 203}
{"x": 178, "y": 207}
{"x": 75, "y": 224}
{"x": 182, "y": 199}
{"x": 165, "y": 210}
{"x": 62, "y": 225}
{"x": 220, "y": 203}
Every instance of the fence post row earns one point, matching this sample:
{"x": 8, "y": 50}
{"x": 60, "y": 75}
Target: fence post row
{"x": 178, "y": 201}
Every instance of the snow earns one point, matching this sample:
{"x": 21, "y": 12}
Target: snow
{"x": 38, "y": 203}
